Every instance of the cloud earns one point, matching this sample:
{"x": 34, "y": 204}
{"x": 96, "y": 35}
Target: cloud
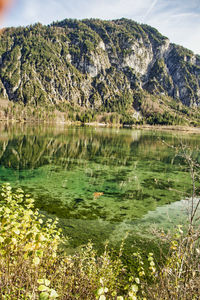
{"x": 183, "y": 15}
{"x": 150, "y": 8}
{"x": 49, "y": 10}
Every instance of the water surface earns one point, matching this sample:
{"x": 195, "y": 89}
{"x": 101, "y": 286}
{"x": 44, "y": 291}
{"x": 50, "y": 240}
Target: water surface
{"x": 99, "y": 182}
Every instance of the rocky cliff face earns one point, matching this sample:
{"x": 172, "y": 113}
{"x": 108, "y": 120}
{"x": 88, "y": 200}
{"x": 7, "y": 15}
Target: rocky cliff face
{"x": 95, "y": 64}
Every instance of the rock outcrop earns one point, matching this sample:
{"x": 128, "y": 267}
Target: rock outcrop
{"x": 94, "y": 64}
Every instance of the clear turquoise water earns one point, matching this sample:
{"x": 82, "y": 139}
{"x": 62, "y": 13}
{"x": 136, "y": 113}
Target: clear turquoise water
{"x": 140, "y": 177}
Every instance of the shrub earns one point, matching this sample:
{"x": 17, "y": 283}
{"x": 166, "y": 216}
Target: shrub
{"x": 28, "y": 250}
{"x": 179, "y": 277}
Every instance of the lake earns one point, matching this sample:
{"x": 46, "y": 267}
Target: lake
{"x": 99, "y": 182}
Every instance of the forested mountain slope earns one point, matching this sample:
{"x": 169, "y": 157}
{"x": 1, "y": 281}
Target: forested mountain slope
{"x": 104, "y": 66}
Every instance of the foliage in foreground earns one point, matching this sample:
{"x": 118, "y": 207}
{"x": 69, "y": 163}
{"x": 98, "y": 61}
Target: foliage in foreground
{"x": 33, "y": 267}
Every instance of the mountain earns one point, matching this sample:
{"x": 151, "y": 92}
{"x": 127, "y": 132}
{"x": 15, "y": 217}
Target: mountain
{"x": 98, "y": 66}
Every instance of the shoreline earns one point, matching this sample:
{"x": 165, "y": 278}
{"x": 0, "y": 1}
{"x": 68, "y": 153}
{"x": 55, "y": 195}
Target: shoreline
{"x": 183, "y": 128}
{"x": 148, "y": 127}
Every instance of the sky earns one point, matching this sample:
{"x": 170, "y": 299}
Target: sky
{"x": 179, "y": 20}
